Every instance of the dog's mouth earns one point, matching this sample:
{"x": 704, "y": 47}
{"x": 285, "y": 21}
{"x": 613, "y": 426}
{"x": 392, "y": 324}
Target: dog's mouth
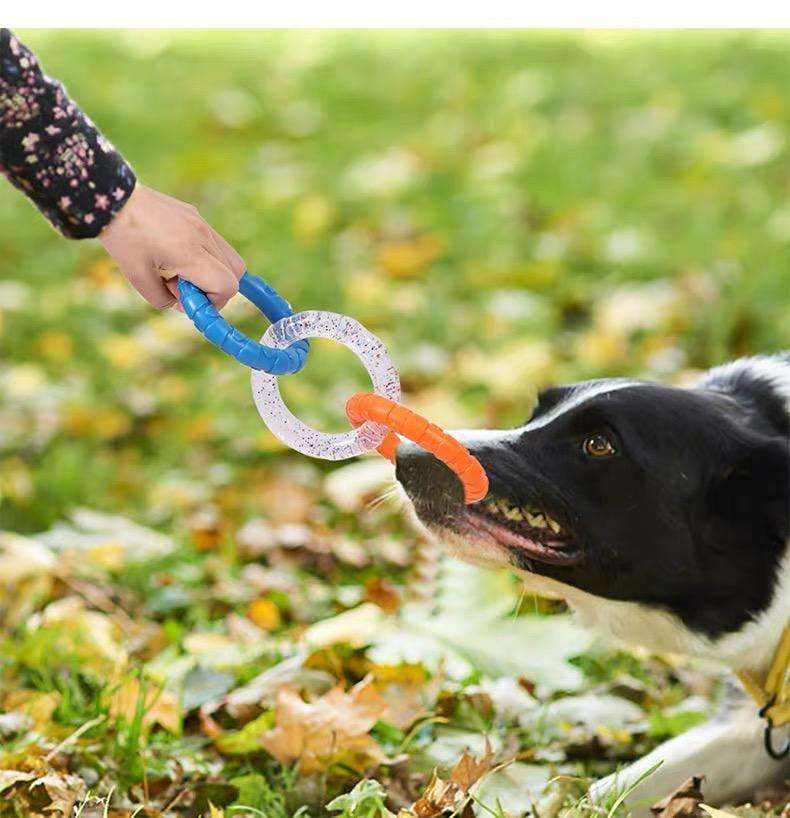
{"x": 525, "y": 530}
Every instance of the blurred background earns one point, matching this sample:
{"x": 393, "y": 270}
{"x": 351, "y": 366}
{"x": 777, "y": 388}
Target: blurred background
{"x": 507, "y": 210}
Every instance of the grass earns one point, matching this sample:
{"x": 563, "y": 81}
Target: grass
{"x": 506, "y": 209}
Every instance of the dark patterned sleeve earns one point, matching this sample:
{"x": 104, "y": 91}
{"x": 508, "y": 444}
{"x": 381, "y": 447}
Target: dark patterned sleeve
{"x": 51, "y": 150}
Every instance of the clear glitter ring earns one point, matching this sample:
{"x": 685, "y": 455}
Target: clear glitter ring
{"x": 285, "y": 425}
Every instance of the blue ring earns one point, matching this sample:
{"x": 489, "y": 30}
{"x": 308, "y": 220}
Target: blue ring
{"x": 235, "y": 343}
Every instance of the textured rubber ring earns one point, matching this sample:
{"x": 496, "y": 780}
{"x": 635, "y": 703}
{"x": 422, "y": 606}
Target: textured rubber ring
{"x": 364, "y": 407}
{"x": 235, "y": 343}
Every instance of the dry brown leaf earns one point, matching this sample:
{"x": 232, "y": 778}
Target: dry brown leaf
{"x": 443, "y": 796}
{"x": 684, "y": 802}
{"x": 469, "y": 771}
{"x": 287, "y": 501}
{"x": 8, "y": 778}
{"x": 380, "y": 591}
{"x": 328, "y": 730}
{"x": 63, "y": 790}
{"x": 408, "y": 695}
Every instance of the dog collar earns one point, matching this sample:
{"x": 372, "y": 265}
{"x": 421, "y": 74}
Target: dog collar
{"x": 772, "y": 694}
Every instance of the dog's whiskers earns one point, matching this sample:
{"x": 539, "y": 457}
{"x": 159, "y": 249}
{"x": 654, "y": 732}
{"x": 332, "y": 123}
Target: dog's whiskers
{"x": 386, "y": 495}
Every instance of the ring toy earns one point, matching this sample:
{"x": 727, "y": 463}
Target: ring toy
{"x": 365, "y": 407}
{"x": 286, "y": 426}
{"x": 206, "y": 317}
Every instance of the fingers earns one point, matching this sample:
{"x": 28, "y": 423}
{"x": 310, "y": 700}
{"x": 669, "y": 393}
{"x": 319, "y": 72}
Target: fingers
{"x": 213, "y": 276}
{"x": 231, "y": 257}
{"x": 152, "y": 288}
{"x": 172, "y": 285}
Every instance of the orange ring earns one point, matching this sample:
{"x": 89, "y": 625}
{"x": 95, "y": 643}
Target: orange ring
{"x": 366, "y": 406}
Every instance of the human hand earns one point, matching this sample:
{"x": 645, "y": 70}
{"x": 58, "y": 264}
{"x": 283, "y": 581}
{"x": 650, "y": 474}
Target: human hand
{"x": 156, "y": 238}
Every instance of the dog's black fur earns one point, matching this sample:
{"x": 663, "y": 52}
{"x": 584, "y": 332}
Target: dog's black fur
{"x": 691, "y": 513}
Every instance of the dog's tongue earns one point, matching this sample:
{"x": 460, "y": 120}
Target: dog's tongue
{"x": 553, "y": 552}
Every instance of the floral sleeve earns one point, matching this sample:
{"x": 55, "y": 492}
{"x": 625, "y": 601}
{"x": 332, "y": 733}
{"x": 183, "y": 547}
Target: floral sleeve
{"x": 52, "y": 151}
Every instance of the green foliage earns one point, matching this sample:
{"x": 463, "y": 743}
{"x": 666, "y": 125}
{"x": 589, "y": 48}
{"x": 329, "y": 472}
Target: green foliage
{"x": 366, "y": 800}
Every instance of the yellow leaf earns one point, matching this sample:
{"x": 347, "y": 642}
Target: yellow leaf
{"x": 56, "y": 345}
{"x": 215, "y": 812}
{"x": 264, "y": 613}
{"x": 159, "y": 706}
{"x": 40, "y": 707}
{"x": 108, "y": 554}
{"x": 311, "y": 217}
{"x": 123, "y": 351}
{"x": 402, "y": 259}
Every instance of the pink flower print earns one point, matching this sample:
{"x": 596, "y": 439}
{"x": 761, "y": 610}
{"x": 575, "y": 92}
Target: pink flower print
{"x": 118, "y": 194}
{"x": 102, "y": 201}
{"x": 64, "y": 202}
{"x": 88, "y": 218}
{"x": 29, "y": 142}
{"x": 52, "y": 130}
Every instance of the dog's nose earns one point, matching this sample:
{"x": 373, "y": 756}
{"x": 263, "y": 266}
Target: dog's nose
{"x": 431, "y": 486}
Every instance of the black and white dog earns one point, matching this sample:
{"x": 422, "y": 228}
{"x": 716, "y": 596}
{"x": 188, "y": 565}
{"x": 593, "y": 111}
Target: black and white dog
{"x": 662, "y": 516}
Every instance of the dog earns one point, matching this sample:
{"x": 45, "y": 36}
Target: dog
{"x": 661, "y": 515}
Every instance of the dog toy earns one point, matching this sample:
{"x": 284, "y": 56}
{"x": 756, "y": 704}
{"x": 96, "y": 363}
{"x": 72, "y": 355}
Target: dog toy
{"x": 377, "y": 418}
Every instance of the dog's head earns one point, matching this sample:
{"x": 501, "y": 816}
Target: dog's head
{"x": 630, "y": 491}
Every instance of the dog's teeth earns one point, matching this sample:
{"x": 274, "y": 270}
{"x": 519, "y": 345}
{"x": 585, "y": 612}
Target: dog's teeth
{"x": 555, "y": 526}
{"x": 535, "y": 520}
{"x": 513, "y": 514}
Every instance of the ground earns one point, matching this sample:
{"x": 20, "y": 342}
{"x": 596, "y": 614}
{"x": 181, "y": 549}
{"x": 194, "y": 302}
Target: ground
{"x": 507, "y": 210}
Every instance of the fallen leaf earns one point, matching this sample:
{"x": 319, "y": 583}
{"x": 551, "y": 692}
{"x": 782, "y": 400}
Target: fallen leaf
{"x": 264, "y": 613}
{"x": 63, "y": 790}
{"x": 246, "y": 740}
{"x": 380, "y": 591}
{"x": 357, "y": 627}
{"x": 406, "y": 258}
{"x": 287, "y": 501}
{"x": 331, "y": 729}
{"x": 514, "y": 789}
{"x": 684, "y": 802}
{"x": 22, "y": 557}
{"x": 717, "y": 813}
{"x": 159, "y": 706}
{"x": 203, "y": 684}
{"x": 466, "y": 625}
{"x": 449, "y": 796}
{"x": 8, "y": 778}
{"x": 262, "y": 690}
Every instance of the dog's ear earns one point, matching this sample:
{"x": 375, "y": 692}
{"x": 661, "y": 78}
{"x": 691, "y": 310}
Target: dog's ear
{"x": 746, "y": 510}
{"x": 548, "y": 399}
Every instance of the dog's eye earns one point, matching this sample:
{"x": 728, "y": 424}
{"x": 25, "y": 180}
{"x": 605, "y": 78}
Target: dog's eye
{"x": 599, "y": 446}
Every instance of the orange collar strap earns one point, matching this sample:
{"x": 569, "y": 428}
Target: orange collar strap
{"x": 402, "y": 421}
